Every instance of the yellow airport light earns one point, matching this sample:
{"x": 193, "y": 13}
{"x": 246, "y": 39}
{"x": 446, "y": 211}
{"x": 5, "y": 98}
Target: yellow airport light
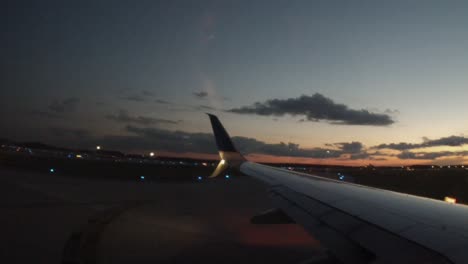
{"x": 450, "y": 200}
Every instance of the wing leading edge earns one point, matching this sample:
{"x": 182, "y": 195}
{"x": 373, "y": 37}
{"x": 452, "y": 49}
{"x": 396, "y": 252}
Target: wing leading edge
{"x": 360, "y": 224}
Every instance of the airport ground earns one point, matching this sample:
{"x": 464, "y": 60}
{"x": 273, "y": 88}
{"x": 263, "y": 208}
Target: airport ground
{"x": 104, "y": 212}
{"x": 56, "y": 218}
{"x": 428, "y": 181}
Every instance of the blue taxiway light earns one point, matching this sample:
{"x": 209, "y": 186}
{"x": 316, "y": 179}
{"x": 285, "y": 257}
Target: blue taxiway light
{"x": 142, "y": 178}
{"x": 199, "y": 178}
{"x": 52, "y": 170}
{"x": 227, "y": 176}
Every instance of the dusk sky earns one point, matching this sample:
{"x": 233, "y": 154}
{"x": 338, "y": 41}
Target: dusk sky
{"x": 339, "y": 82}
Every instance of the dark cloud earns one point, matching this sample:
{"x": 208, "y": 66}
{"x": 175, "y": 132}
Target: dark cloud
{"x": 452, "y": 141}
{"x": 371, "y": 155}
{"x": 135, "y": 98}
{"x": 142, "y": 96}
{"x": 58, "y": 108}
{"x": 124, "y": 117}
{"x": 398, "y": 146}
{"x": 406, "y": 155}
{"x": 147, "y": 93}
{"x": 355, "y": 150}
{"x": 251, "y": 145}
{"x": 200, "y": 94}
{"x": 178, "y": 141}
{"x": 175, "y": 141}
{"x": 316, "y": 108}
{"x": 353, "y": 147}
{"x": 429, "y": 155}
{"x": 377, "y": 159}
{"x": 360, "y": 155}
{"x": 149, "y": 138}
{"x": 159, "y": 101}
{"x": 391, "y": 111}
{"x": 64, "y": 106}
{"x": 46, "y": 114}
{"x": 69, "y": 132}
{"x": 205, "y": 108}
{"x": 211, "y": 95}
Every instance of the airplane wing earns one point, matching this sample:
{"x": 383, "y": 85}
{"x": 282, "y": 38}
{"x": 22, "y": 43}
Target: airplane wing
{"x": 358, "y": 224}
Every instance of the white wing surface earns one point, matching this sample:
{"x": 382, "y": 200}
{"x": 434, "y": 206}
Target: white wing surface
{"x": 360, "y": 224}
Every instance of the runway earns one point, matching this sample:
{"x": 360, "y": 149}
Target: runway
{"x": 53, "y": 218}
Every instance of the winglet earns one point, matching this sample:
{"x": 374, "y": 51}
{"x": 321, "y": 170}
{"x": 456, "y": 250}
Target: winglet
{"x": 230, "y": 157}
{"x": 223, "y": 140}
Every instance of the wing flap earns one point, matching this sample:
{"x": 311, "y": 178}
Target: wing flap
{"x": 338, "y": 245}
{"x": 347, "y": 237}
